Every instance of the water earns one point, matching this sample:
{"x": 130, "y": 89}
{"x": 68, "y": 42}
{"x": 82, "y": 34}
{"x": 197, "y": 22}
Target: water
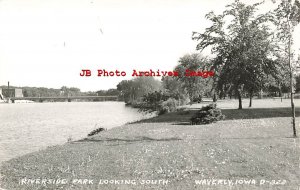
{"x": 26, "y": 128}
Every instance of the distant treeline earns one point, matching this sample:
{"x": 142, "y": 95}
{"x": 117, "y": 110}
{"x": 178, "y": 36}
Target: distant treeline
{"x": 63, "y": 91}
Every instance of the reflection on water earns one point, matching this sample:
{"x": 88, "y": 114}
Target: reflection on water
{"x": 26, "y": 128}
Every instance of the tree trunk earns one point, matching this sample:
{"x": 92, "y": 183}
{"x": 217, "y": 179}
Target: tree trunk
{"x": 251, "y": 95}
{"x": 240, "y": 100}
{"x": 280, "y": 93}
{"x": 260, "y": 94}
{"x": 215, "y": 98}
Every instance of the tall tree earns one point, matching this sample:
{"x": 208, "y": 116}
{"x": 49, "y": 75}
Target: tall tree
{"x": 242, "y": 44}
{"x": 135, "y": 89}
{"x": 125, "y": 88}
{"x": 195, "y": 86}
{"x": 287, "y": 17}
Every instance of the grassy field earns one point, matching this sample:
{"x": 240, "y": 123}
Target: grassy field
{"x": 253, "y": 145}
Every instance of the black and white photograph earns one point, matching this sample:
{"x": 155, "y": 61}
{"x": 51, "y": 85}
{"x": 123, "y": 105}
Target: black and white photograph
{"x": 149, "y": 94}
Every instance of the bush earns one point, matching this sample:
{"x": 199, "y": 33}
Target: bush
{"x": 207, "y": 114}
{"x": 167, "y": 106}
{"x": 96, "y": 131}
{"x": 160, "y": 102}
{"x": 136, "y": 104}
{"x": 183, "y": 100}
{"x": 197, "y": 99}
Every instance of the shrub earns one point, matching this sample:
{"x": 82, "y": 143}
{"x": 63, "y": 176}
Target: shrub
{"x": 207, "y": 114}
{"x": 197, "y": 99}
{"x": 96, "y": 131}
{"x": 167, "y": 106}
{"x": 152, "y": 101}
{"x": 136, "y": 104}
{"x": 183, "y": 100}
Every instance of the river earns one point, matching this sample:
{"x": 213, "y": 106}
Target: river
{"x": 26, "y": 128}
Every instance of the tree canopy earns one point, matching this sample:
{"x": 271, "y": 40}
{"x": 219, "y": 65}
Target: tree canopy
{"x": 133, "y": 90}
{"x": 242, "y": 44}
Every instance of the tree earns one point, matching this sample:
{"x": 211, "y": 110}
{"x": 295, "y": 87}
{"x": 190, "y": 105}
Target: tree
{"x": 133, "y": 90}
{"x": 279, "y": 82}
{"x": 65, "y": 91}
{"x": 287, "y": 17}
{"x": 109, "y": 92}
{"x": 242, "y": 44}
{"x": 174, "y": 88}
{"x": 125, "y": 87}
{"x": 112, "y": 92}
{"x": 195, "y": 86}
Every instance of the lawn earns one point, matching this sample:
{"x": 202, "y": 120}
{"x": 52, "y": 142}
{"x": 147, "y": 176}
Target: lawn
{"x": 262, "y": 108}
{"x": 253, "y": 146}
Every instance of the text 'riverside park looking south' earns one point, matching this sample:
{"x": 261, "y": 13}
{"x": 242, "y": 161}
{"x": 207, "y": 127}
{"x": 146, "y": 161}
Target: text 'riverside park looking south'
{"x": 150, "y": 73}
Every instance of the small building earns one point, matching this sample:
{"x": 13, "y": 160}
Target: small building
{"x": 12, "y": 92}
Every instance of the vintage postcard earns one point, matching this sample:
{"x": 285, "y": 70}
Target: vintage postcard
{"x": 140, "y": 94}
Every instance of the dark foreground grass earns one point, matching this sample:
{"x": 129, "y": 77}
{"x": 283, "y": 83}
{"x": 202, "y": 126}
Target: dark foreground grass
{"x": 252, "y": 144}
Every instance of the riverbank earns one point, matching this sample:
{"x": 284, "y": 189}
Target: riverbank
{"x": 250, "y": 146}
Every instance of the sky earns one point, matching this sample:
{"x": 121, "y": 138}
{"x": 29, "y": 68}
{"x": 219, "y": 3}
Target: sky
{"x": 46, "y": 43}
